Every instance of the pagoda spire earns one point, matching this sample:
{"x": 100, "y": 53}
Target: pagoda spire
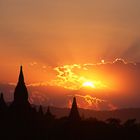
{"x": 49, "y": 115}
{"x": 74, "y": 113}
{"x": 21, "y": 76}
{"x": 21, "y": 93}
{"x": 2, "y": 102}
{"x": 40, "y": 111}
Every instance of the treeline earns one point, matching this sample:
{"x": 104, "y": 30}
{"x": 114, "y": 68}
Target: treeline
{"x": 25, "y": 124}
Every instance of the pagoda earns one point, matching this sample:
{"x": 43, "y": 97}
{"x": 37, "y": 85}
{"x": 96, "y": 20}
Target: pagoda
{"x": 21, "y": 93}
{"x": 74, "y": 113}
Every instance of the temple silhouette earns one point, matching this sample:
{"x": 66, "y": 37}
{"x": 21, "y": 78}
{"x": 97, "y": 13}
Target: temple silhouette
{"x": 74, "y": 113}
{"x": 22, "y": 105}
{"x": 21, "y": 95}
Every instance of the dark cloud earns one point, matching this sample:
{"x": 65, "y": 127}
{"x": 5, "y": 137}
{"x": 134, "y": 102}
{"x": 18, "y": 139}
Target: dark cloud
{"x": 133, "y": 52}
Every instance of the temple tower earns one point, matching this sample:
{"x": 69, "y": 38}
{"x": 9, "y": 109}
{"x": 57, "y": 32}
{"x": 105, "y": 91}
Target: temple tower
{"x": 21, "y": 93}
{"x": 74, "y": 113}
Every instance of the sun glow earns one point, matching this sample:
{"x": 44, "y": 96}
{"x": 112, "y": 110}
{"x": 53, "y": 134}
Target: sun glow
{"x": 89, "y": 84}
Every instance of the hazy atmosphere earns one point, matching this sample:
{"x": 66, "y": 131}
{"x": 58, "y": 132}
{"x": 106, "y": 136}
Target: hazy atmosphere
{"x": 84, "y": 48}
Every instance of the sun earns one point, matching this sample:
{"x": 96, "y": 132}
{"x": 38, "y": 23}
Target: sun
{"x": 89, "y": 84}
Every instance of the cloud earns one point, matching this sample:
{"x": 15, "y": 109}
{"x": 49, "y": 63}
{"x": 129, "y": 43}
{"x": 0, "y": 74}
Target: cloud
{"x": 92, "y": 102}
{"x": 132, "y": 52}
{"x": 116, "y": 85}
{"x": 73, "y": 76}
{"x": 119, "y": 61}
{"x": 33, "y": 63}
{"x": 66, "y": 76}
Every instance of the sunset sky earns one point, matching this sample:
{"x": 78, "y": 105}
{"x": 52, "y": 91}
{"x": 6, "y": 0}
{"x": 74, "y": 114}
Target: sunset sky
{"x": 84, "y": 48}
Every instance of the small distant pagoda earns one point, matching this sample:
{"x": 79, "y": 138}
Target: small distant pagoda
{"x": 74, "y": 113}
{"x": 49, "y": 115}
{"x": 3, "y": 105}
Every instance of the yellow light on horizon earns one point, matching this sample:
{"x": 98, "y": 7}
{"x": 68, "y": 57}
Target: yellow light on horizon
{"x": 89, "y": 84}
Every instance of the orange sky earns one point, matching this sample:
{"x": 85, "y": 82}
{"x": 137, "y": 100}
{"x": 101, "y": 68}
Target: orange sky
{"x": 77, "y": 31}
{"x": 48, "y": 35}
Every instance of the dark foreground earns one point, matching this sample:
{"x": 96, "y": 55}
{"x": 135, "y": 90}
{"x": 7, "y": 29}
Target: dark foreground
{"x": 36, "y": 125}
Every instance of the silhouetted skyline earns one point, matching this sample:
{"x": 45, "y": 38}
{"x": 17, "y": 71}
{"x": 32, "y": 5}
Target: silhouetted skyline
{"x": 21, "y": 120}
{"x": 81, "y": 61}
{"x": 21, "y": 103}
